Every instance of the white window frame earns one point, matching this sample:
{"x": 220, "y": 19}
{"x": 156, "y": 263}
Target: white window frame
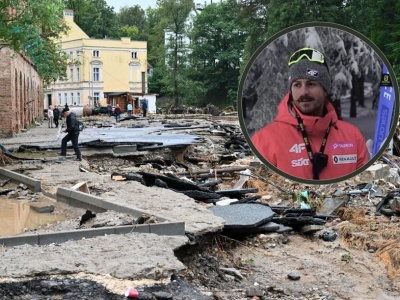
{"x": 72, "y": 98}
{"x": 59, "y": 98}
{"x": 65, "y": 98}
{"x": 96, "y": 73}
{"x": 134, "y": 55}
{"x": 96, "y": 98}
{"x": 71, "y": 74}
{"x": 78, "y": 74}
{"x": 96, "y": 53}
{"x": 78, "y": 98}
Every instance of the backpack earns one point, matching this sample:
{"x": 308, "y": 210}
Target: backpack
{"x": 81, "y": 125}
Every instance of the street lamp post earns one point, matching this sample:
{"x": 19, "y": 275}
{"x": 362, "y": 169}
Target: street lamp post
{"x": 91, "y": 83}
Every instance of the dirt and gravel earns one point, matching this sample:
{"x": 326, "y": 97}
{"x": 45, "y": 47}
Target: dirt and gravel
{"x": 211, "y": 266}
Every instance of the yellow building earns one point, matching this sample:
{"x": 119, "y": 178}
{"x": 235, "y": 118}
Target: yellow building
{"x": 98, "y": 68}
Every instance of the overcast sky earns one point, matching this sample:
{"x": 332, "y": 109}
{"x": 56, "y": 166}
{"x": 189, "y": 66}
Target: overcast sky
{"x": 120, "y": 3}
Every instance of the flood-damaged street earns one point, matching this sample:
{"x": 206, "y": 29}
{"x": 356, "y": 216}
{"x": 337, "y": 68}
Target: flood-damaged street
{"x": 180, "y": 208}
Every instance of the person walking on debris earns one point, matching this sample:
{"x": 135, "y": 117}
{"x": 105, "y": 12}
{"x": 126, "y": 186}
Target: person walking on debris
{"x": 56, "y": 113}
{"x": 72, "y": 131}
{"x": 306, "y": 139}
{"x": 50, "y": 116}
{"x": 117, "y": 112}
{"x": 109, "y": 109}
{"x": 144, "y": 107}
{"x": 129, "y": 108}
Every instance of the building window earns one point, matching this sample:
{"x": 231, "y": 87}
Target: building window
{"x": 72, "y": 99}
{"x": 134, "y": 73}
{"x": 96, "y": 74}
{"x": 71, "y": 75}
{"x": 65, "y": 98}
{"x": 133, "y": 54}
{"x": 59, "y": 99}
{"x": 71, "y": 54}
{"x": 78, "y": 98}
{"x": 96, "y": 98}
{"x": 78, "y": 74}
{"x": 96, "y": 53}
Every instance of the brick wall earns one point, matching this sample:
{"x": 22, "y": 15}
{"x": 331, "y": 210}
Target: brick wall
{"x": 21, "y": 93}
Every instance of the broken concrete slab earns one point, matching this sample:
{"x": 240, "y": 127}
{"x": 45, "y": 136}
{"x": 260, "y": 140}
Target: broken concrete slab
{"x": 43, "y": 209}
{"x": 268, "y": 227}
{"x": 145, "y": 256}
{"x": 243, "y": 216}
{"x": 375, "y": 172}
{"x": 169, "y": 205}
{"x": 330, "y": 205}
{"x": 310, "y": 229}
{"x": 284, "y": 229}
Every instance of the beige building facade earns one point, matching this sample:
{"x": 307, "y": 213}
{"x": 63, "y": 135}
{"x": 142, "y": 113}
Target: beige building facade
{"x": 98, "y": 68}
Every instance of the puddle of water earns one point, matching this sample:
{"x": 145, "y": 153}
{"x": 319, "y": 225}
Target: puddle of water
{"x": 16, "y": 215}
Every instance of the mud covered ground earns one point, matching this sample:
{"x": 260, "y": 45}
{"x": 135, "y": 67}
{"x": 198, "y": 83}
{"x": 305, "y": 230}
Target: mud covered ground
{"x": 353, "y": 266}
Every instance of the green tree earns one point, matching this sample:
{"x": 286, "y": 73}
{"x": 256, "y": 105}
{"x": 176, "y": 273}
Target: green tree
{"x": 385, "y": 30}
{"x": 174, "y": 15}
{"x": 81, "y": 10}
{"x": 32, "y": 28}
{"x": 129, "y": 31}
{"x": 95, "y": 18}
{"x": 253, "y": 20}
{"x": 133, "y": 16}
{"x": 218, "y": 42}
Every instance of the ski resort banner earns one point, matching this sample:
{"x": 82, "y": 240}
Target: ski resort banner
{"x": 385, "y": 110}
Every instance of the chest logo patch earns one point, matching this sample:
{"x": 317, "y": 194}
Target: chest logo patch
{"x": 342, "y": 145}
{"x": 344, "y": 159}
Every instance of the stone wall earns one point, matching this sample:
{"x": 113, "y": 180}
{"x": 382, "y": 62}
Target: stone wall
{"x": 21, "y": 93}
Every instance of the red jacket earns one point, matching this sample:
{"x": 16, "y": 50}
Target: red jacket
{"x": 282, "y": 143}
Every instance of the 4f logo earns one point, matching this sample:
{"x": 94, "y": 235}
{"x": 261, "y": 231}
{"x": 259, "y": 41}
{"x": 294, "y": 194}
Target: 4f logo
{"x": 311, "y": 72}
{"x": 297, "y": 148}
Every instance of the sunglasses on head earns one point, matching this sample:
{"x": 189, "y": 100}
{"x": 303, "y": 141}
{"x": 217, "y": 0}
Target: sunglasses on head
{"x": 308, "y": 53}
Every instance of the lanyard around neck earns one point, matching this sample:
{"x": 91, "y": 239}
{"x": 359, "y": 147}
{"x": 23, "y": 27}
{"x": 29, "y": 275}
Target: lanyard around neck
{"x": 307, "y": 140}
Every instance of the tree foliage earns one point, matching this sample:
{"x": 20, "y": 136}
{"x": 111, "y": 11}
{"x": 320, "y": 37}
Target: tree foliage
{"x": 31, "y": 27}
{"x": 133, "y": 16}
{"x": 223, "y": 36}
{"x": 174, "y": 15}
{"x": 217, "y": 51}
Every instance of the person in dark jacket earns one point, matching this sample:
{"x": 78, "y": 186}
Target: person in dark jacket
{"x": 56, "y": 113}
{"x": 144, "y": 107}
{"x": 117, "y": 113}
{"x": 72, "y": 131}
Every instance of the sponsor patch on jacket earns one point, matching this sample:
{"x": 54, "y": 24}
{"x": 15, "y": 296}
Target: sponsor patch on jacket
{"x": 344, "y": 159}
{"x": 342, "y": 145}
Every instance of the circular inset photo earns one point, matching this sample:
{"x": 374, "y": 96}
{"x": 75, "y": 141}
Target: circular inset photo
{"x": 318, "y": 103}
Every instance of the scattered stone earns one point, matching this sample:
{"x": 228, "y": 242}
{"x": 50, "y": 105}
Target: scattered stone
{"x": 254, "y": 291}
{"x": 310, "y": 229}
{"x": 232, "y": 271}
{"x": 163, "y": 296}
{"x": 375, "y": 172}
{"x": 294, "y": 275}
{"x": 284, "y": 229}
{"x": 328, "y": 236}
{"x": 43, "y": 209}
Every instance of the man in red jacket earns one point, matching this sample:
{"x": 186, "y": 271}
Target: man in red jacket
{"x": 306, "y": 139}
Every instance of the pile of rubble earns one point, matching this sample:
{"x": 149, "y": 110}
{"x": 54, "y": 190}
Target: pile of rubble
{"x": 219, "y": 172}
